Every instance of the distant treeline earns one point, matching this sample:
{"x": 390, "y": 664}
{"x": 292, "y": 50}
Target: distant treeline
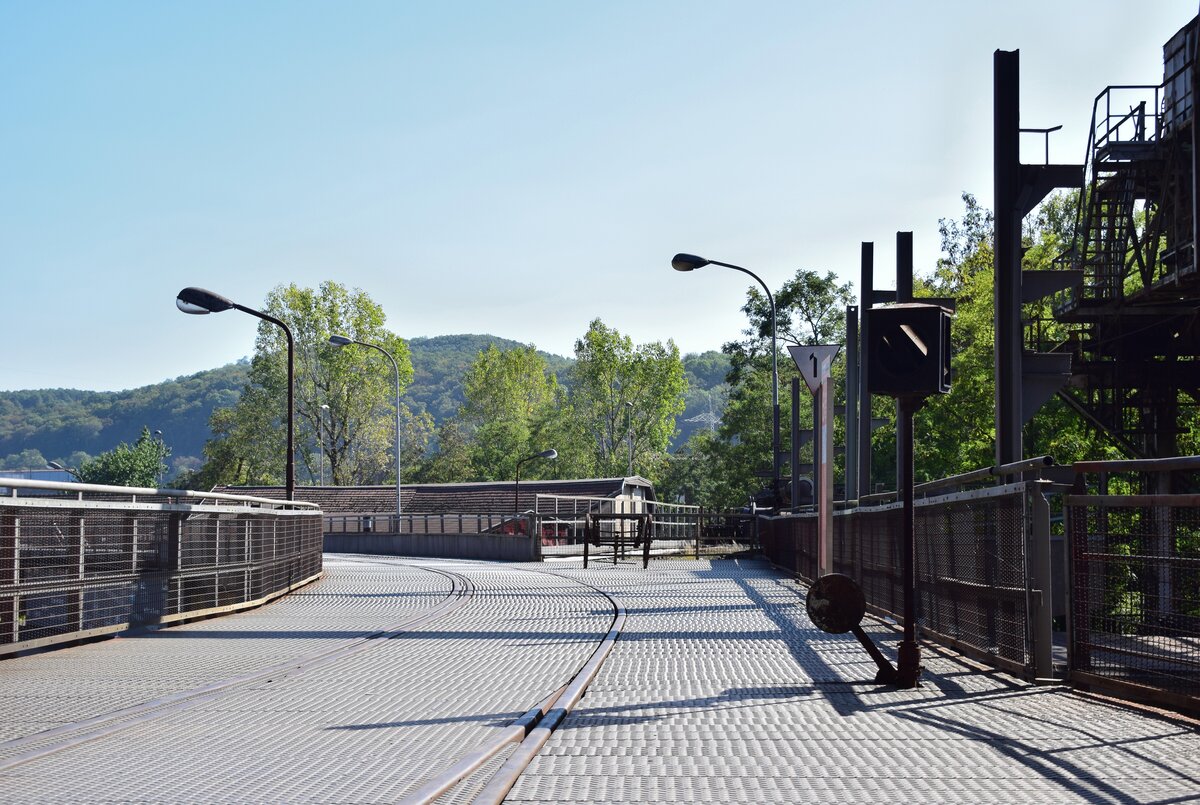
{"x": 66, "y": 424}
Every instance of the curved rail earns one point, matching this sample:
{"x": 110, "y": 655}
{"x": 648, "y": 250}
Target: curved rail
{"x": 531, "y": 730}
{"x": 461, "y": 591}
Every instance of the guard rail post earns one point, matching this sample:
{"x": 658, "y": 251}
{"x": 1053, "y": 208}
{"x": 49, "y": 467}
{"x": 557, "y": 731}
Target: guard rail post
{"x": 1039, "y": 581}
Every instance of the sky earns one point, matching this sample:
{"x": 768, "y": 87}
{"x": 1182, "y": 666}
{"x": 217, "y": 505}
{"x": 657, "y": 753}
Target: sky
{"x": 514, "y": 168}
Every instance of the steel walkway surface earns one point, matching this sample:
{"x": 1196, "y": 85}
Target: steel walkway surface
{"x": 382, "y": 678}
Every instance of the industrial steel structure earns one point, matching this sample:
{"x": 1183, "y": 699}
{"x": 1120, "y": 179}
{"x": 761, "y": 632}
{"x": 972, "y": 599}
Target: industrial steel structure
{"x": 1131, "y": 305}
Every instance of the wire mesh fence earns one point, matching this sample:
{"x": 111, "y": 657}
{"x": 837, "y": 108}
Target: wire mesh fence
{"x": 78, "y": 561}
{"x": 1135, "y": 571}
{"x": 560, "y": 526}
{"x": 973, "y": 579}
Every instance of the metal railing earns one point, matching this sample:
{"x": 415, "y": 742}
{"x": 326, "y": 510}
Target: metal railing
{"x": 79, "y": 560}
{"x": 1134, "y": 532}
{"x": 561, "y": 526}
{"x": 983, "y": 567}
{"x": 437, "y": 523}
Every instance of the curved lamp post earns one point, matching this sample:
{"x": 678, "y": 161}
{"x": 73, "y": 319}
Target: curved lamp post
{"x": 320, "y": 441}
{"x": 54, "y": 465}
{"x": 159, "y": 435}
{"x": 340, "y": 341}
{"x": 551, "y": 454}
{"x": 198, "y": 301}
{"x": 691, "y": 262}
{"x": 629, "y": 427}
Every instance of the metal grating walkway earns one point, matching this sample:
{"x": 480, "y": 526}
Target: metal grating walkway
{"x": 366, "y": 685}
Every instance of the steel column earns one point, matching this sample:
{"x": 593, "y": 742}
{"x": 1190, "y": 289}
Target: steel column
{"x": 1007, "y": 179}
{"x": 865, "y": 291}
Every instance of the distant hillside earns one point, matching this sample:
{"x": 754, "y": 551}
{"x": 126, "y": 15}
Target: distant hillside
{"x": 59, "y": 424}
{"x": 439, "y": 365}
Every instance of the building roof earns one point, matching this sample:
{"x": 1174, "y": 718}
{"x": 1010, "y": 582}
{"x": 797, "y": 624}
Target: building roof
{"x": 487, "y": 497}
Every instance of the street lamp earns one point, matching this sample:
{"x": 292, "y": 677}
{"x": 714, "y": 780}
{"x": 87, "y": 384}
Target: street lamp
{"x": 629, "y": 426}
{"x": 54, "y": 465}
{"x": 690, "y": 262}
{"x": 551, "y": 454}
{"x": 340, "y": 341}
{"x": 320, "y": 441}
{"x": 159, "y": 435}
{"x": 198, "y": 301}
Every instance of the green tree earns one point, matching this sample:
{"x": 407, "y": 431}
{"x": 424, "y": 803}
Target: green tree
{"x": 451, "y": 462}
{"x": 345, "y": 398}
{"x": 810, "y": 308}
{"x": 508, "y": 393}
{"x": 140, "y": 464}
{"x": 28, "y": 459}
{"x": 956, "y": 431}
{"x": 622, "y": 395}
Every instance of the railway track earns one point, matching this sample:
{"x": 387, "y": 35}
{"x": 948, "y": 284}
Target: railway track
{"x": 574, "y": 628}
{"x": 528, "y": 733}
{"x": 18, "y": 751}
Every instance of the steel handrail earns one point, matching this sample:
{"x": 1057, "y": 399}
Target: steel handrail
{"x": 983, "y": 473}
{"x": 72, "y": 486}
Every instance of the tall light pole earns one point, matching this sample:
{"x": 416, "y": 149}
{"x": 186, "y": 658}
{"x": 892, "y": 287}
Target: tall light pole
{"x": 629, "y": 426}
{"x": 159, "y": 434}
{"x": 340, "y": 341}
{"x": 690, "y": 262}
{"x": 551, "y": 454}
{"x": 198, "y": 301}
{"x": 321, "y": 442}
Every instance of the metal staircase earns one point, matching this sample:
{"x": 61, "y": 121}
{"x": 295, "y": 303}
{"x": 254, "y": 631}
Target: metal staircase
{"x": 1133, "y": 313}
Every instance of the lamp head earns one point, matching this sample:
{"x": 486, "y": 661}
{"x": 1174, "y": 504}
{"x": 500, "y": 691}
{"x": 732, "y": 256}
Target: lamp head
{"x": 198, "y": 301}
{"x": 54, "y": 465}
{"x": 688, "y": 262}
{"x": 551, "y": 453}
{"x": 340, "y": 340}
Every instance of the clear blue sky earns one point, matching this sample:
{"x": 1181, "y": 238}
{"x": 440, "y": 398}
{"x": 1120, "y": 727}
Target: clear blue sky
{"x": 515, "y": 168}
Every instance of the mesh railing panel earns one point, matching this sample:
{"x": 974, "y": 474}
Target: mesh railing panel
{"x": 970, "y": 564}
{"x": 1136, "y": 584}
{"x": 71, "y": 570}
{"x": 971, "y": 571}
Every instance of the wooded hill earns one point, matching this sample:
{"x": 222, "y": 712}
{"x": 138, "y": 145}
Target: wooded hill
{"x": 60, "y": 424}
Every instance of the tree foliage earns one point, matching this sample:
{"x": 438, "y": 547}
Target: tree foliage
{"x": 509, "y": 393}
{"x": 624, "y": 399}
{"x": 617, "y": 396}
{"x": 140, "y": 464}
{"x": 69, "y": 425}
{"x": 810, "y": 308}
{"x": 345, "y": 398}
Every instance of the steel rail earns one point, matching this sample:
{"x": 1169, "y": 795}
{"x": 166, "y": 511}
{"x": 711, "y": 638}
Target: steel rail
{"x": 134, "y": 491}
{"x": 101, "y": 726}
{"x": 531, "y": 730}
{"x": 503, "y": 781}
{"x": 471, "y": 762}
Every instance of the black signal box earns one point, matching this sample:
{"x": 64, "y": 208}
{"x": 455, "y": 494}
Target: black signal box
{"x": 908, "y": 350}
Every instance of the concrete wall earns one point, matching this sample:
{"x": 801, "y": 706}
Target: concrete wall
{"x": 497, "y": 547}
